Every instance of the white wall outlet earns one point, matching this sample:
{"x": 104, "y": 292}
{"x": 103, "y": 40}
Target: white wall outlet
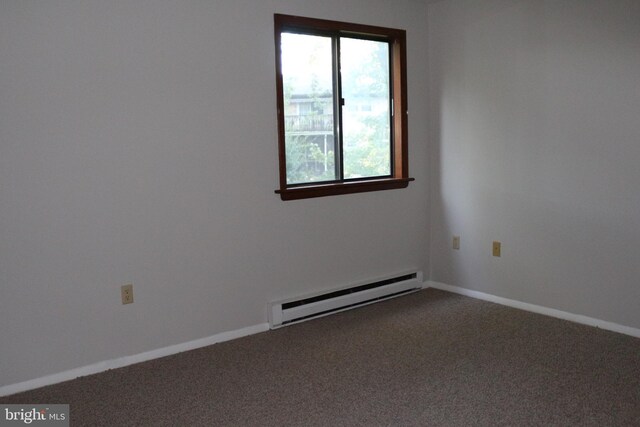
{"x": 126, "y": 292}
{"x": 497, "y": 248}
{"x": 456, "y": 242}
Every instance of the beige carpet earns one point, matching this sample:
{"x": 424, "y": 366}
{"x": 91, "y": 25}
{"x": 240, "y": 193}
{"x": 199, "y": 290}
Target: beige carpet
{"x": 426, "y": 359}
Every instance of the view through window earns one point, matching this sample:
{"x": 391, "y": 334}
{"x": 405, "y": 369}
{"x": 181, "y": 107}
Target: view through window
{"x": 312, "y": 133}
{"x": 339, "y": 85}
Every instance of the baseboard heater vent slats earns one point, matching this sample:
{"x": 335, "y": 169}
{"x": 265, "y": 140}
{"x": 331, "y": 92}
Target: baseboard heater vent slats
{"x": 299, "y": 309}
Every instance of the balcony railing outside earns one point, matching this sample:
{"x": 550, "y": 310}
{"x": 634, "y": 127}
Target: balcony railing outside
{"x": 309, "y": 123}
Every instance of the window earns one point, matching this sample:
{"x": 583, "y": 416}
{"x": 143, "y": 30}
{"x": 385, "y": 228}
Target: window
{"x": 342, "y": 107}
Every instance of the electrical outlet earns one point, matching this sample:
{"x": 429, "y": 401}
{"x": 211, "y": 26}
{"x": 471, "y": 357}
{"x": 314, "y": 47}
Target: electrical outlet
{"x": 456, "y": 242}
{"x": 496, "y": 248}
{"x": 126, "y": 292}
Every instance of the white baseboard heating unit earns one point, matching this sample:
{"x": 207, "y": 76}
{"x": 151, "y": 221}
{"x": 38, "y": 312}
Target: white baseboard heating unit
{"x": 296, "y": 310}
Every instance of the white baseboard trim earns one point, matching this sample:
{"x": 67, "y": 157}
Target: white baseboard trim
{"x": 577, "y": 318}
{"x": 130, "y": 360}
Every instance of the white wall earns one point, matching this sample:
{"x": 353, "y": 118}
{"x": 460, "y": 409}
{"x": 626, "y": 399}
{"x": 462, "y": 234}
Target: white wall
{"x": 138, "y": 144}
{"x": 535, "y": 139}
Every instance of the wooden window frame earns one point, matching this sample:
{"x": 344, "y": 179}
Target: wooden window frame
{"x": 399, "y": 177}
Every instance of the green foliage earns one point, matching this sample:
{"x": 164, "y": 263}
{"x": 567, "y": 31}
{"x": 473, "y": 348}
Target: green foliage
{"x": 367, "y": 151}
{"x": 306, "y": 161}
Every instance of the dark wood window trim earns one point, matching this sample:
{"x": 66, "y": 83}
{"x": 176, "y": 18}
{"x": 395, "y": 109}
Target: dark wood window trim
{"x": 400, "y": 160}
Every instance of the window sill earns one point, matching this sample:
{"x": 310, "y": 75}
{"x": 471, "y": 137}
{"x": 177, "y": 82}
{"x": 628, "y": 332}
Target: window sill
{"x": 334, "y": 189}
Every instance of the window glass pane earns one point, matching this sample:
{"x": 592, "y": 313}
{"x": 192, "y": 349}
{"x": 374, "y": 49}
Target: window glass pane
{"x": 308, "y": 104}
{"x": 366, "y": 111}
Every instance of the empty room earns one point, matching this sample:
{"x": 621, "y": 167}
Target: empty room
{"x": 319, "y": 213}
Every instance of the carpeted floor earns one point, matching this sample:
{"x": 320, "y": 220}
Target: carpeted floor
{"x": 428, "y": 359}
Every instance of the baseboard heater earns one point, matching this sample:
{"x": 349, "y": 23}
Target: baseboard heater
{"x": 296, "y": 310}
